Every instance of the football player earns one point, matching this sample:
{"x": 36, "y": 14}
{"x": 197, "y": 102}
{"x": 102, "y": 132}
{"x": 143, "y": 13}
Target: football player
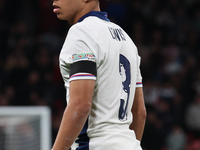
{"x": 100, "y": 67}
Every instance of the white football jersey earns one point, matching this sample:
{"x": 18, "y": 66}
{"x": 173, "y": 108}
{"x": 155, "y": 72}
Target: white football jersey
{"x": 96, "y": 44}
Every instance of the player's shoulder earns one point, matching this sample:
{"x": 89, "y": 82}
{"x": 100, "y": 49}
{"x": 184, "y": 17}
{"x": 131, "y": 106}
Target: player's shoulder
{"x": 81, "y": 29}
{"x": 83, "y": 25}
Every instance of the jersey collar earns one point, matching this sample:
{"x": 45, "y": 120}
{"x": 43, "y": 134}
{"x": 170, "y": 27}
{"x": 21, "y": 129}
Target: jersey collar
{"x": 99, "y": 14}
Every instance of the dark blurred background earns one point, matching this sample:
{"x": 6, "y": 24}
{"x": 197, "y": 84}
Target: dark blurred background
{"x": 167, "y": 34}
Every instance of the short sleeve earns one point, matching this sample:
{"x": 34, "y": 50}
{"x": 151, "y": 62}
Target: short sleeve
{"x": 79, "y": 55}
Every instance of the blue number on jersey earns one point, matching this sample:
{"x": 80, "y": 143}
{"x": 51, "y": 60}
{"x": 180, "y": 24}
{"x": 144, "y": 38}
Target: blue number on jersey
{"x": 124, "y": 69}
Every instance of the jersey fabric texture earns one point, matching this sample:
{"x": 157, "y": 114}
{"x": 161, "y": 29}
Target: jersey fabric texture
{"x": 96, "y": 44}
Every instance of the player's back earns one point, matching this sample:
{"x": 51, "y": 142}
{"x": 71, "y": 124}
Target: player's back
{"x": 118, "y": 74}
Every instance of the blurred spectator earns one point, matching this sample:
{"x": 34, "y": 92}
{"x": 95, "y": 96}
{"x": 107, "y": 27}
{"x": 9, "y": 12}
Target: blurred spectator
{"x": 172, "y": 64}
{"x": 52, "y": 41}
{"x": 168, "y": 92}
{"x": 151, "y": 93}
{"x": 192, "y": 117}
{"x": 176, "y": 139}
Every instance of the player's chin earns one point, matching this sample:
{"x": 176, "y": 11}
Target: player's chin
{"x": 61, "y": 17}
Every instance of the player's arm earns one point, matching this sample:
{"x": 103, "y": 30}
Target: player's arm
{"x": 139, "y": 114}
{"x": 75, "y": 114}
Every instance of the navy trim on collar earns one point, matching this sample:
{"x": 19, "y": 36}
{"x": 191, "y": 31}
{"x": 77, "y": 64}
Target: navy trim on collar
{"x": 101, "y": 15}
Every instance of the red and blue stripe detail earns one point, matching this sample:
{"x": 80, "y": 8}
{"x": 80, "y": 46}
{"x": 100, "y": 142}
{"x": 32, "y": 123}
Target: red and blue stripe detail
{"x": 138, "y": 83}
{"x": 82, "y": 75}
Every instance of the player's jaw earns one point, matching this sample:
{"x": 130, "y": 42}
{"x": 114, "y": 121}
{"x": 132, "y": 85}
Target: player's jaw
{"x": 66, "y": 9}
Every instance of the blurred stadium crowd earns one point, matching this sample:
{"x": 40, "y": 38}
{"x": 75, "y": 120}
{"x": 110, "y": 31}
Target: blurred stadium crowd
{"x": 167, "y": 34}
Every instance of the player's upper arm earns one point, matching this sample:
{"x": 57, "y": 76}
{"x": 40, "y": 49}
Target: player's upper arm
{"x": 81, "y": 93}
{"x": 138, "y": 104}
{"x": 139, "y": 114}
{"x": 82, "y": 81}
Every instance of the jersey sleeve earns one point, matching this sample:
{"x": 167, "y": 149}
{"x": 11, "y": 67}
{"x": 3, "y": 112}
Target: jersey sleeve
{"x": 78, "y": 53}
{"x": 139, "y": 76}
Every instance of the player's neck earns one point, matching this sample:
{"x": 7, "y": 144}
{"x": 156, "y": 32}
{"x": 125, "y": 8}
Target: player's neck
{"x": 91, "y": 5}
